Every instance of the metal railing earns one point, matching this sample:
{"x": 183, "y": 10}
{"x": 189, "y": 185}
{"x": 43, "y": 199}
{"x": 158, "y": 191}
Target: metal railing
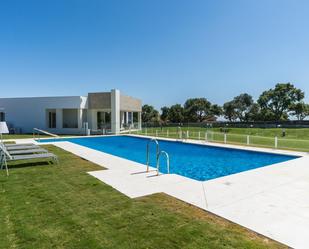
{"x": 157, "y": 151}
{"x": 37, "y": 132}
{"x": 275, "y": 142}
{"x": 162, "y": 152}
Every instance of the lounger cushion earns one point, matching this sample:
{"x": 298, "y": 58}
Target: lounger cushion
{"x": 33, "y": 156}
{"x": 22, "y": 152}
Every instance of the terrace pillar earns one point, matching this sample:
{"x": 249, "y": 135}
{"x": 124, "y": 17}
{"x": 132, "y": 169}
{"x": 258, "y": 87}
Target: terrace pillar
{"x": 122, "y": 118}
{"x": 80, "y": 119}
{"x": 127, "y": 117}
{"x": 139, "y": 120}
{"x": 132, "y": 119}
{"x": 115, "y": 111}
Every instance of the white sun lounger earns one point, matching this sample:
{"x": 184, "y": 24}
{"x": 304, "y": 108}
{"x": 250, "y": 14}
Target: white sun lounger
{"x": 14, "y": 145}
{"x": 26, "y": 147}
{"x": 30, "y": 151}
{"x": 6, "y": 157}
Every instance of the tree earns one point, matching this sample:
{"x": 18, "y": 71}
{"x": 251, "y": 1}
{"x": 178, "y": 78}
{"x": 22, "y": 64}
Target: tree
{"x": 149, "y": 114}
{"x": 243, "y": 104}
{"x": 165, "y": 113}
{"x": 300, "y": 110}
{"x": 277, "y": 102}
{"x": 229, "y": 111}
{"x": 254, "y": 113}
{"x": 176, "y": 114}
{"x": 197, "y": 109}
{"x": 216, "y": 110}
{"x": 239, "y": 108}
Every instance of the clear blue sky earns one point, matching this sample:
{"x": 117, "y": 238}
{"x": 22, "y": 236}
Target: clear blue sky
{"x": 162, "y": 51}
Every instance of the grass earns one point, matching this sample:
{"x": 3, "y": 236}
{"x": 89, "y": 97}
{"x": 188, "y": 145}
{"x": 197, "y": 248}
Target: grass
{"x": 294, "y": 139}
{"x": 19, "y": 136}
{"x": 22, "y": 136}
{"x": 50, "y": 206}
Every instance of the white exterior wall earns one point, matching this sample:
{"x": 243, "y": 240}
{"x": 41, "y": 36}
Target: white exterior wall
{"x": 29, "y": 113}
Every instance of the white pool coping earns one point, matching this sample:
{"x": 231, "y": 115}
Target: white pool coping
{"x": 271, "y": 200}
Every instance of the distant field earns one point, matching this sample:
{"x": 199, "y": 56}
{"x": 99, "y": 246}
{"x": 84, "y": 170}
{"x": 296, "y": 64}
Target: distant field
{"x": 294, "y": 139}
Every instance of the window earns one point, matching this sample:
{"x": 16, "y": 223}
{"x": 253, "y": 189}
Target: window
{"x": 2, "y": 116}
{"x": 103, "y": 120}
{"x": 107, "y": 117}
{"x": 100, "y": 120}
{"x": 135, "y": 117}
{"x": 51, "y": 119}
{"x": 70, "y": 118}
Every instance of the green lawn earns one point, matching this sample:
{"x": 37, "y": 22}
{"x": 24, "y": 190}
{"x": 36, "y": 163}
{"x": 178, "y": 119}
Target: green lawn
{"x": 18, "y": 136}
{"x": 61, "y": 206}
{"x": 21, "y": 136}
{"x": 294, "y": 139}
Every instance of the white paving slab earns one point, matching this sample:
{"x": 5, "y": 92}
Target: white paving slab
{"x": 272, "y": 200}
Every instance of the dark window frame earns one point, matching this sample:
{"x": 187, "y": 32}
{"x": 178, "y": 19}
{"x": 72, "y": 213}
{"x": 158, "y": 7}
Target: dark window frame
{"x": 52, "y": 120}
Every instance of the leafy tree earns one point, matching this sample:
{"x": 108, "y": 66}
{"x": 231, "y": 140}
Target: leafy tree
{"x": 239, "y": 108}
{"x": 176, "y": 114}
{"x": 277, "y": 102}
{"x": 243, "y": 104}
{"x": 197, "y": 109}
{"x": 216, "y": 110}
{"x": 165, "y": 113}
{"x": 300, "y": 110}
{"x": 229, "y": 111}
{"x": 254, "y": 113}
{"x": 149, "y": 114}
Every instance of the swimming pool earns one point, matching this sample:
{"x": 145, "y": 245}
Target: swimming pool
{"x": 199, "y": 162}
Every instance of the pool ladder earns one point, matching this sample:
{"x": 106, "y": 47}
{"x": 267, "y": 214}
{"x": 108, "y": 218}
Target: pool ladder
{"x": 162, "y": 152}
{"x": 158, "y": 155}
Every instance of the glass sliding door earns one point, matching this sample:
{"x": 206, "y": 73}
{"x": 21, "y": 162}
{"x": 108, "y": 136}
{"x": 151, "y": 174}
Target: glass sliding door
{"x": 103, "y": 120}
{"x": 51, "y": 119}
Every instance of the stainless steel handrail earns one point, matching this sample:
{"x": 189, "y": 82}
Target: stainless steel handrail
{"x": 162, "y": 152}
{"x": 147, "y": 151}
{"x": 38, "y": 131}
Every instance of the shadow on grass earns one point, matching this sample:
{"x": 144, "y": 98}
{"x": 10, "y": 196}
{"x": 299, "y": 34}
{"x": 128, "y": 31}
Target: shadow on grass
{"x": 30, "y": 164}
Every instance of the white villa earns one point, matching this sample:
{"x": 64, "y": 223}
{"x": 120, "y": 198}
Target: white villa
{"x": 101, "y": 112}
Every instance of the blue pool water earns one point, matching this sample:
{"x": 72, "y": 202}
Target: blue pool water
{"x": 198, "y": 162}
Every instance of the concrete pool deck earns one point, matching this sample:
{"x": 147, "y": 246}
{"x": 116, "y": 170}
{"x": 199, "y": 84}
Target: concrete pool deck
{"x": 272, "y": 200}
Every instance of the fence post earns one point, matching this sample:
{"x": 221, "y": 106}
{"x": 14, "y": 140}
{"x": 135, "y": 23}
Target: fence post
{"x": 225, "y": 138}
{"x": 187, "y": 134}
{"x": 199, "y": 135}
{"x": 206, "y": 136}
{"x": 276, "y": 142}
{"x": 180, "y": 135}
{"x": 248, "y": 140}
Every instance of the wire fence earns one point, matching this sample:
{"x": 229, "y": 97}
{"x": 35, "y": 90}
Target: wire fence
{"x": 207, "y": 135}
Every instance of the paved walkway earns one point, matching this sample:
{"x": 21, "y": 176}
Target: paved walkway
{"x": 273, "y": 201}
